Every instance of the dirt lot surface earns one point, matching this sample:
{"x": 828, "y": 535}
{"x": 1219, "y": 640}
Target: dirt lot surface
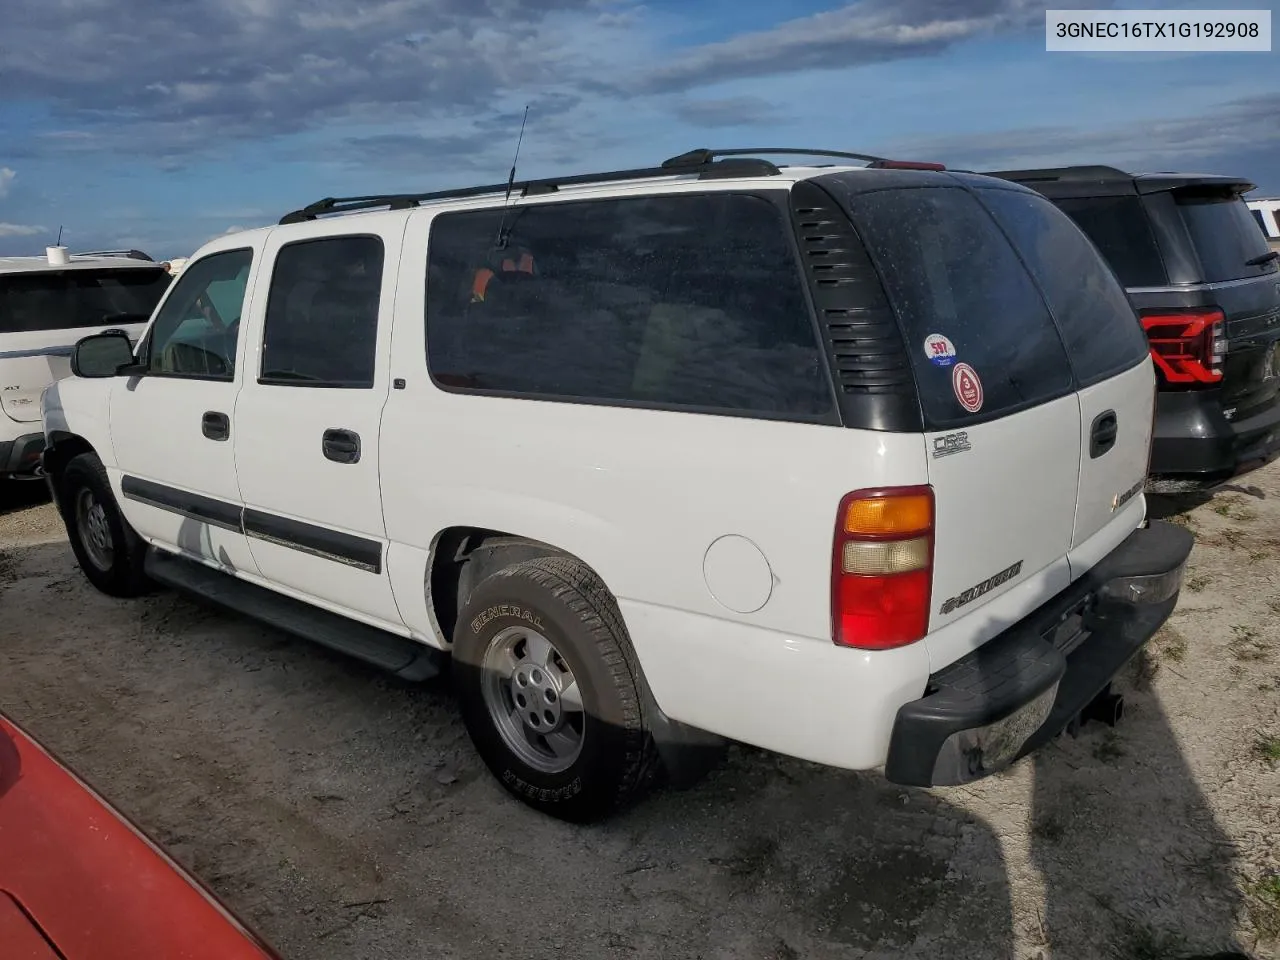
{"x": 344, "y": 814}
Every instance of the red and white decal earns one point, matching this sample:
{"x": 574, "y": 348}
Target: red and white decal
{"x": 940, "y": 350}
{"x": 967, "y": 387}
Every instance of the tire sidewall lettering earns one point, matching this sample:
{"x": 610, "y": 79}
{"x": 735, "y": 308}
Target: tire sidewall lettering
{"x": 505, "y": 611}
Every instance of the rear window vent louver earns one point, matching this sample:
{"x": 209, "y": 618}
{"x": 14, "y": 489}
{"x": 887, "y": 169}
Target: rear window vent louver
{"x": 862, "y": 336}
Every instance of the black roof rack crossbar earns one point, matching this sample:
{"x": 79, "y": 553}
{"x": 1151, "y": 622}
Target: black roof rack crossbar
{"x": 1084, "y": 172}
{"x": 130, "y": 254}
{"x": 400, "y": 201}
{"x": 707, "y": 156}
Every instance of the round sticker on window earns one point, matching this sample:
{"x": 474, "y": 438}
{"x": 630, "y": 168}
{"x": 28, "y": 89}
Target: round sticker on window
{"x": 967, "y": 387}
{"x": 940, "y": 351}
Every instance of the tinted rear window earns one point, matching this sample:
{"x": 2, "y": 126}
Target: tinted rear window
{"x": 1226, "y": 237}
{"x": 686, "y": 302}
{"x": 78, "y": 298}
{"x": 950, "y": 272}
{"x": 1093, "y": 313}
{"x": 1118, "y": 226}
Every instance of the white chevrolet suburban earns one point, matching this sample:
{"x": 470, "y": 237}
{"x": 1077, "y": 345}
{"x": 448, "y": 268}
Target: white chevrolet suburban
{"x": 842, "y": 461}
{"x": 47, "y": 304}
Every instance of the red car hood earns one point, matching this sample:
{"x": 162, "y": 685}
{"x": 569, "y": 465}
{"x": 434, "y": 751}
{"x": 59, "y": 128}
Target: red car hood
{"x": 79, "y": 882}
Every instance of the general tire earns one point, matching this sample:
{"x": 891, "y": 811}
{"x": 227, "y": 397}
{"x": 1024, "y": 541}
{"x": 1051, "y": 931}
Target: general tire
{"x": 569, "y": 605}
{"x": 122, "y": 573}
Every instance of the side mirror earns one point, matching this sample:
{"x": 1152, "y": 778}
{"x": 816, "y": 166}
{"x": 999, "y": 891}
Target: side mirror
{"x": 101, "y": 355}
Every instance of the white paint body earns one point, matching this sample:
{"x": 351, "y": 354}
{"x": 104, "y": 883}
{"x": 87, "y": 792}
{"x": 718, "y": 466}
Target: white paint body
{"x": 714, "y": 533}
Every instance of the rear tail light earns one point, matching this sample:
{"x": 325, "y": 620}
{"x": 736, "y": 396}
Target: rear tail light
{"x": 1187, "y": 346}
{"x": 882, "y": 568}
{"x": 906, "y": 165}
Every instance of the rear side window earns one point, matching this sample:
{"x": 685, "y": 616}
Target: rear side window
{"x": 321, "y": 328}
{"x": 1225, "y": 236}
{"x": 72, "y": 299}
{"x": 1097, "y": 322}
{"x": 969, "y": 311}
{"x": 1120, "y": 228}
{"x": 686, "y": 302}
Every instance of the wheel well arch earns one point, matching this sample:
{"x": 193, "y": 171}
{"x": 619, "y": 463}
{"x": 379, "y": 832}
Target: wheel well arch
{"x": 461, "y": 557}
{"x": 63, "y": 446}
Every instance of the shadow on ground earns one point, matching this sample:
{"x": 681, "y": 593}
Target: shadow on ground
{"x": 17, "y": 495}
{"x": 344, "y": 814}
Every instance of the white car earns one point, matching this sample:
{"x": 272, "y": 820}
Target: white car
{"x": 1267, "y": 212}
{"x": 833, "y": 460}
{"x": 46, "y": 304}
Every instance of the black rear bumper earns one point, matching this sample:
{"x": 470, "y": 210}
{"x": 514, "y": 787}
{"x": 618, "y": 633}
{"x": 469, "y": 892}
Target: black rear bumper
{"x": 1021, "y": 689}
{"x": 1195, "y": 440}
{"x": 21, "y": 457}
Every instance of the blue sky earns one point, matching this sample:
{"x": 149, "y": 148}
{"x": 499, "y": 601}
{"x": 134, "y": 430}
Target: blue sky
{"x": 162, "y": 123}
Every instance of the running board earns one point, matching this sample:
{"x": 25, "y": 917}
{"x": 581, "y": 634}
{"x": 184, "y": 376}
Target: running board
{"x": 405, "y": 658}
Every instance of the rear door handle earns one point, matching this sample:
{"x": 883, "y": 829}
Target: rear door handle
{"x": 215, "y": 426}
{"x": 341, "y": 446}
{"x": 1103, "y": 433}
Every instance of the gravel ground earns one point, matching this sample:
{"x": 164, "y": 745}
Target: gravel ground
{"x": 343, "y": 814}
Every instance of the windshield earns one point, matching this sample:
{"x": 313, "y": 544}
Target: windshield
{"x": 68, "y": 299}
{"x": 1225, "y": 235}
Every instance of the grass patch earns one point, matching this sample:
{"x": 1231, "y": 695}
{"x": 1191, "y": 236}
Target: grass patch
{"x": 1170, "y": 644}
{"x": 1233, "y": 537}
{"x": 1259, "y": 556}
{"x": 1108, "y": 749}
{"x": 1267, "y": 749}
{"x": 1264, "y": 906}
{"x": 1198, "y": 583}
{"x": 1146, "y": 667}
{"x": 1247, "y": 645}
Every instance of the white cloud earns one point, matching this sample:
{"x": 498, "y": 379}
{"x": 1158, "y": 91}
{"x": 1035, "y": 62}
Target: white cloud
{"x": 7, "y": 177}
{"x": 19, "y": 230}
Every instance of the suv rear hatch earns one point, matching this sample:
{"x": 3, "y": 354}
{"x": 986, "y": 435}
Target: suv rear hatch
{"x": 1239, "y": 278}
{"x": 1197, "y": 269}
{"x": 43, "y": 313}
{"x": 1035, "y": 398}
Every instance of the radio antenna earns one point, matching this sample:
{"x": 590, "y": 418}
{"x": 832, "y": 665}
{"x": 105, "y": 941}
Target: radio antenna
{"x": 501, "y": 241}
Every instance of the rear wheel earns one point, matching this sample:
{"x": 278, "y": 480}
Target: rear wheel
{"x": 108, "y": 550}
{"x": 550, "y": 689}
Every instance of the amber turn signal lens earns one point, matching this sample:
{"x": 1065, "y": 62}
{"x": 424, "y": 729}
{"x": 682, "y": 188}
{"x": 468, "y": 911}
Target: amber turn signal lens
{"x": 889, "y": 516}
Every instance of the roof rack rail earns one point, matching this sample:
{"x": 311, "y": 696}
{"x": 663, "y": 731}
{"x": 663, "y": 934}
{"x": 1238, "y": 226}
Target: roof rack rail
{"x": 1082, "y": 172}
{"x": 402, "y": 201}
{"x": 882, "y": 163}
{"x": 128, "y": 254}
{"x": 707, "y": 164}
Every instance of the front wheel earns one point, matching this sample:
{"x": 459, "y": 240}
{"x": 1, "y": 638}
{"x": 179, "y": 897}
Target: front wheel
{"x": 108, "y": 550}
{"x": 550, "y": 689}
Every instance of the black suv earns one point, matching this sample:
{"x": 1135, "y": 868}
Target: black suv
{"x": 1207, "y": 289}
